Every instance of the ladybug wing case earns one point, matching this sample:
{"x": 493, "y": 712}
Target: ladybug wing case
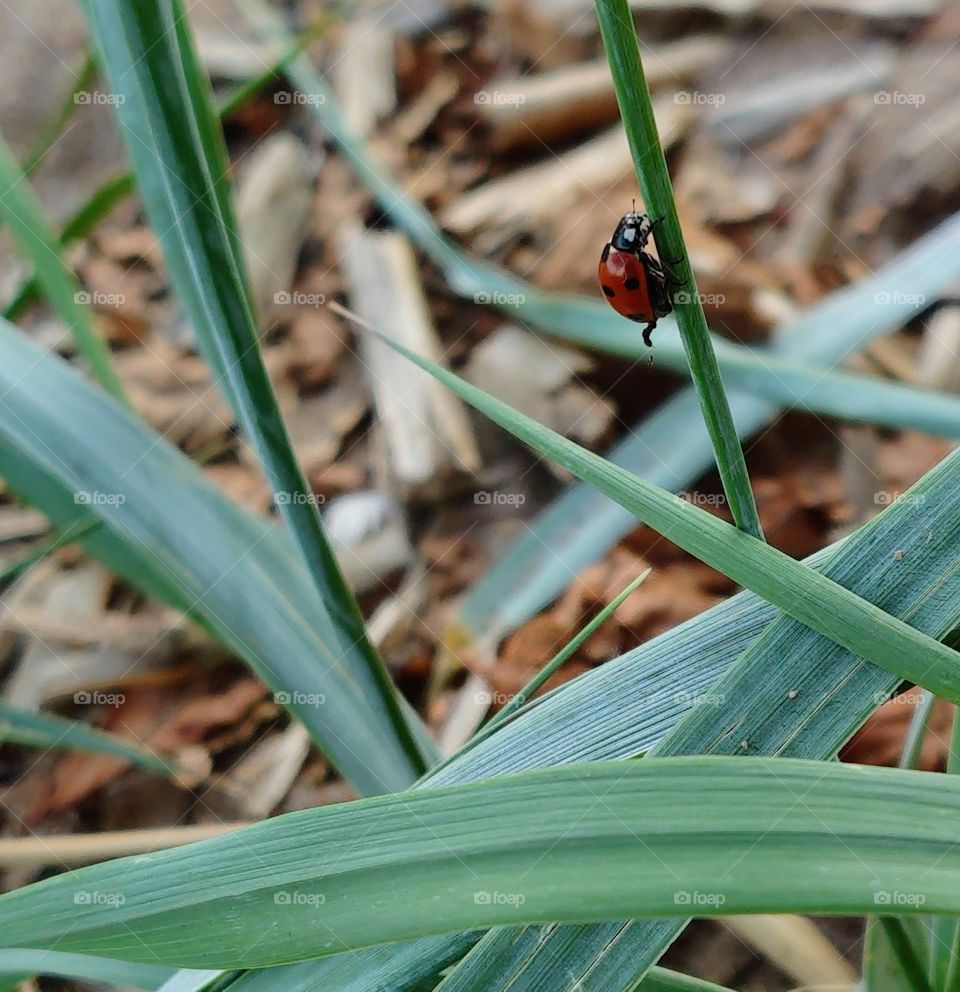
{"x": 624, "y": 282}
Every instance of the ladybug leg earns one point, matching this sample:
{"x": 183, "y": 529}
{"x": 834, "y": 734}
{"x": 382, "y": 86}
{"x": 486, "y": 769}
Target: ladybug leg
{"x": 647, "y": 331}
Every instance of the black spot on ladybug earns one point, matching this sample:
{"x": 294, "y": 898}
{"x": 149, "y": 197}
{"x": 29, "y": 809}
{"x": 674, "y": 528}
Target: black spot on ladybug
{"x": 608, "y": 291}
{"x": 632, "y": 283}
{"x": 606, "y": 252}
{"x": 638, "y": 317}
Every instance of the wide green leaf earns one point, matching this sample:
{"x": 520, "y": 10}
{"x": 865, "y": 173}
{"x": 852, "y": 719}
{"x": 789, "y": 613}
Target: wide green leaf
{"x": 579, "y": 843}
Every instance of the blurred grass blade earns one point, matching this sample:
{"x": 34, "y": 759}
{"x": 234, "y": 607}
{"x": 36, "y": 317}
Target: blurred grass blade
{"x": 798, "y": 837}
{"x": 52, "y": 130}
{"x": 177, "y": 150}
{"x": 47, "y": 731}
{"x": 21, "y": 212}
{"x": 636, "y": 111}
{"x": 800, "y": 592}
{"x": 17, "y": 965}
{"x": 107, "y": 196}
{"x": 67, "y": 449}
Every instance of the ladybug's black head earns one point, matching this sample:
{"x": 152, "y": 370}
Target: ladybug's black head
{"x": 632, "y": 232}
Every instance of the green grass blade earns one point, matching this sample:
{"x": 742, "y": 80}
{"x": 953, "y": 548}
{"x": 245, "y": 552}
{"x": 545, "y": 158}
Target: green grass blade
{"x": 178, "y": 155}
{"x": 107, "y": 196}
{"x": 46, "y": 731}
{"x": 174, "y": 535}
{"x": 599, "y": 841}
{"x": 800, "y": 592}
{"x": 21, "y": 212}
{"x": 52, "y": 130}
{"x": 636, "y": 110}
{"x": 17, "y": 965}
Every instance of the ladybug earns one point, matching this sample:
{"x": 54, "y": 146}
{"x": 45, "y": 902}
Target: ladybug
{"x": 635, "y": 283}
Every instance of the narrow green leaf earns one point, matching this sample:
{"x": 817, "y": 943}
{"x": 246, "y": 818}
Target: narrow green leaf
{"x": 618, "y": 839}
{"x": 180, "y": 161}
{"x": 47, "y": 731}
{"x": 650, "y": 166}
{"x": 17, "y": 965}
{"x": 23, "y": 215}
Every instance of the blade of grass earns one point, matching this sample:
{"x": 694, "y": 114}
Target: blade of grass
{"x": 905, "y": 953}
{"x": 23, "y": 215}
{"x": 107, "y": 196}
{"x": 18, "y": 965}
{"x": 51, "y": 131}
{"x": 800, "y": 592}
{"x": 636, "y": 111}
{"x": 799, "y": 836}
{"x": 554, "y": 665}
{"x": 178, "y": 155}
{"x": 46, "y": 731}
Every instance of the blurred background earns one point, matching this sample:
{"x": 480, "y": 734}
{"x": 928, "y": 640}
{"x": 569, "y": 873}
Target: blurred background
{"x": 810, "y": 143}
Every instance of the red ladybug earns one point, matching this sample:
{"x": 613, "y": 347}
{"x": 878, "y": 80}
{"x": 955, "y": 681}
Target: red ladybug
{"x": 633, "y": 281}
